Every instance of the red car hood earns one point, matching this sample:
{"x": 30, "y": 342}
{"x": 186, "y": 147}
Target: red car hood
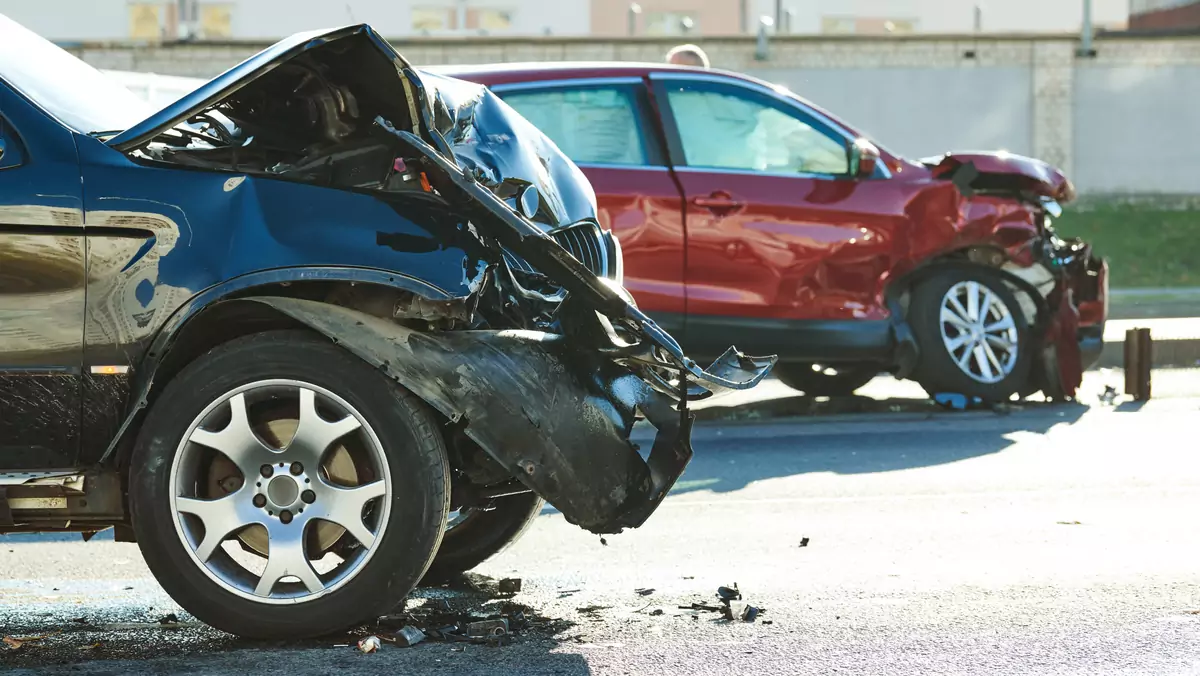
{"x": 1001, "y": 170}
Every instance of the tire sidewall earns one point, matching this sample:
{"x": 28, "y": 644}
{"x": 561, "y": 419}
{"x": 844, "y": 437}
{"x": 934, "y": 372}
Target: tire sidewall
{"x": 936, "y": 369}
{"x": 416, "y": 461}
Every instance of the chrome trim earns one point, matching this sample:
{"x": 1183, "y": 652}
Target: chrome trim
{"x": 585, "y": 241}
{"x": 754, "y": 172}
{"x": 626, "y": 167}
{"x": 773, "y": 93}
{"x": 563, "y": 83}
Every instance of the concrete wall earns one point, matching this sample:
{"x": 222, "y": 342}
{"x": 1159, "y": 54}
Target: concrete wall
{"x": 1122, "y": 121}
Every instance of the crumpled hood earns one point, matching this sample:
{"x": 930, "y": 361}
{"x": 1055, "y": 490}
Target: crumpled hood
{"x": 1003, "y": 170}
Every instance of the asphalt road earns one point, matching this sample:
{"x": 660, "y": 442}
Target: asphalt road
{"x": 1054, "y": 540}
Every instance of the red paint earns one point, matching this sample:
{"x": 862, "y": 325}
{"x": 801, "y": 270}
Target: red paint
{"x": 793, "y": 247}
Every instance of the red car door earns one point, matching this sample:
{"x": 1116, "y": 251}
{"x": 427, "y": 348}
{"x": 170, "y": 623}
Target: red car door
{"x": 606, "y": 127}
{"x": 786, "y": 251}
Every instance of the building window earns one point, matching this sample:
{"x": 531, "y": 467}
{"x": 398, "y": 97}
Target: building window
{"x": 434, "y": 19}
{"x": 216, "y": 20}
{"x": 672, "y": 23}
{"x": 489, "y": 20}
{"x": 145, "y": 20}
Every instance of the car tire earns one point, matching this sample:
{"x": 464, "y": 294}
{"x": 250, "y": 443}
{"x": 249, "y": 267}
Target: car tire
{"x": 405, "y": 493}
{"x": 483, "y": 534}
{"x": 843, "y": 381}
{"x": 988, "y": 358}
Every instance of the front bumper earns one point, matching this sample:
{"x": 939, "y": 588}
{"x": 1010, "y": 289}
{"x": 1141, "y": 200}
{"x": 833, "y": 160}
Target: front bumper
{"x": 555, "y": 416}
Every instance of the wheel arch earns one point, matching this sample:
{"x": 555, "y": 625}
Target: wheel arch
{"x": 224, "y": 312}
{"x": 975, "y": 257}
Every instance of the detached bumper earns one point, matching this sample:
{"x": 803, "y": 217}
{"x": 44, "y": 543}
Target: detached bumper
{"x": 557, "y": 417}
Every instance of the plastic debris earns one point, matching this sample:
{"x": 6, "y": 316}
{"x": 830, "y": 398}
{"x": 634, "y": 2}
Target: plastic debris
{"x": 645, "y": 591}
{"x": 956, "y": 401}
{"x": 729, "y": 593}
{"x": 510, "y": 585}
{"x": 803, "y": 542}
{"x": 656, "y": 612}
{"x": 487, "y": 628}
{"x": 1109, "y": 395}
{"x": 369, "y": 644}
{"x": 408, "y": 636}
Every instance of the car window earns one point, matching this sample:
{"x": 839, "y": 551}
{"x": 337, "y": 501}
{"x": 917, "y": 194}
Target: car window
{"x": 591, "y": 125}
{"x": 13, "y": 155}
{"x": 721, "y": 127}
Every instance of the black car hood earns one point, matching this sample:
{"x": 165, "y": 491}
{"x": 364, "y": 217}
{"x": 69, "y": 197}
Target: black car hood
{"x": 465, "y": 122}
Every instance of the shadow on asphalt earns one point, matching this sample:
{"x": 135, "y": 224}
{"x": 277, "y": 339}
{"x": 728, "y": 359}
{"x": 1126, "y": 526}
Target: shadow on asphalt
{"x": 112, "y": 633}
{"x": 730, "y": 458}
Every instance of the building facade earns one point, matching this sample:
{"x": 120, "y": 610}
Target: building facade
{"x": 1164, "y": 15}
{"x": 169, "y": 20}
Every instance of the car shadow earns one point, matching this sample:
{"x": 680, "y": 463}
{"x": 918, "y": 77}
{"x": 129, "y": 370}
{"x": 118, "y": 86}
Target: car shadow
{"x": 792, "y": 435}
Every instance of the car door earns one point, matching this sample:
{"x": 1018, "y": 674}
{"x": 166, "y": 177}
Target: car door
{"x": 42, "y": 286}
{"x": 605, "y": 126}
{"x": 786, "y": 252}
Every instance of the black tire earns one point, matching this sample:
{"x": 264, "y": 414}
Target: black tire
{"x": 801, "y": 376}
{"x": 483, "y": 535}
{"x": 410, "y": 439}
{"x": 936, "y": 370}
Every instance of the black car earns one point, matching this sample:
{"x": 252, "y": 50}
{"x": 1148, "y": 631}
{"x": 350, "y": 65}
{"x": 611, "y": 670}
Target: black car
{"x": 276, "y": 332}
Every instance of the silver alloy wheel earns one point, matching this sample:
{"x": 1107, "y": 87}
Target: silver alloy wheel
{"x": 287, "y": 490}
{"x": 979, "y": 332}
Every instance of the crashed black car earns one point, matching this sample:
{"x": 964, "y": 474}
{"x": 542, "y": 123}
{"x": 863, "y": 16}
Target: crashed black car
{"x": 279, "y": 331}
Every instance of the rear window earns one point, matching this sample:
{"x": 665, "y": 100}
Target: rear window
{"x": 591, "y": 125}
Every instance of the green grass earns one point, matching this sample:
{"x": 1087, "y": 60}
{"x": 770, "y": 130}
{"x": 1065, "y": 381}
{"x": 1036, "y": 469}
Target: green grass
{"x": 1145, "y": 246}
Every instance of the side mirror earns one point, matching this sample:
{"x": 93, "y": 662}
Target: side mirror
{"x": 864, "y": 157}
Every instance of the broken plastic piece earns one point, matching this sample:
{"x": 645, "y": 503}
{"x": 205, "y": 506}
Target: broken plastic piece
{"x": 510, "y": 585}
{"x": 369, "y": 644}
{"x": 956, "y": 401}
{"x": 645, "y": 591}
{"x": 656, "y": 612}
{"x": 487, "y": 628}
{"x": 408, "y": 636}
{"x": 803, "y": 542}
{"x": 729, "y": 593}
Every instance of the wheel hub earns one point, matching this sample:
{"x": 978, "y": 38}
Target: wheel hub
{"x": 282, "y": 492}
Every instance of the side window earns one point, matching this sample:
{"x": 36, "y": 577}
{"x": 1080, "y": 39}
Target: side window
{"x": 723, "y": 127}
{"x": 590, "y": 124}
{"x": 11, "y": 154}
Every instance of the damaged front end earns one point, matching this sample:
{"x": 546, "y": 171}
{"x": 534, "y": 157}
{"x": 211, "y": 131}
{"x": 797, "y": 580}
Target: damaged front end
{"x": 1065, "y": 282}
{"x": 544, "y": 366}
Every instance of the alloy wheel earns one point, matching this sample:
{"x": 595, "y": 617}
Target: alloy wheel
{"x": 979, "y": 332}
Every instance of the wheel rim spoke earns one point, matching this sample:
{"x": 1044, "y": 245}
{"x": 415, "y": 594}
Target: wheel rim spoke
{"x": 344, "y": 506}
{"x": 952, "y": 317}
{"x": 991, "y": 357}
{"x": 1003, "y": 325}
{"x": 979, "y": 331}
{"x": 954, "y": 343}
{"x": 315, "y": 435}
{"x": 956, "y": 308}
{"x": 237, "y": 441}
{"x": 981, "y": 361}
{"x": 286, "y": 557}
{"x": 220, "y": 518}
{"x": 973, "y": 301}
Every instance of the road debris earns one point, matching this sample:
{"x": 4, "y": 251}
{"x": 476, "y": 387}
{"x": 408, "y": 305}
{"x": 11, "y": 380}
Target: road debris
{"x": 487, "y": 628}
{"x": 645, "y": 591}
{"x": 731, "y": 607}
{"x": 1069, "y": 523}
{"x": 604, "y": 542}
{"x": 16, "y": 643}
{"x": 510, "y": 585}
{"x": 656, "y": 612}
{"x": 1108, "y": 396}
{"x": 729, "y": 593}
{"x": 369, "y": 644}
{"x": 408, "y": 636}
{"x": 803, "y": 542}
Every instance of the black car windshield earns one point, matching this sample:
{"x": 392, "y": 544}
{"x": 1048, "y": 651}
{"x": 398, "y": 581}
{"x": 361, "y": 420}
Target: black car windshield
{"x": 74, "y": 92}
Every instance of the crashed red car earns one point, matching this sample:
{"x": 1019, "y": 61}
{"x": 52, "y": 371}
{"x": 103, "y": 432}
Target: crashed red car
{"x": 749, "y": 215}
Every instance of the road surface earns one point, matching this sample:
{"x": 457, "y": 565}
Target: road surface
{"x": 1054, "y": 540}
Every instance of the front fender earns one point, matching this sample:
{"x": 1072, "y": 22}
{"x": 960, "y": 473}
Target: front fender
{"x": 557, "y": 417}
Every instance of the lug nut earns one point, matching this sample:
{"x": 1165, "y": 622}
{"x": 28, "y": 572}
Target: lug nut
{"x": 297, "y": 468}
{"x": 285, "y": 516}
{"x": 266, "y": 471}
{"x": 308, "y": 497}
{"x": 260, "y": 500}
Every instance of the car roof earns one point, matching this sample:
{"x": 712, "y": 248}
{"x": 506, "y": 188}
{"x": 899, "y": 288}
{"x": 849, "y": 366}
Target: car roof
{"x": 506, "y": 73}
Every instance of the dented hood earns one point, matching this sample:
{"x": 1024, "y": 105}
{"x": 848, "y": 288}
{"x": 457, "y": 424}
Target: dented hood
{"x": 1002, "y": 171}
{"x": 463, "y": 121}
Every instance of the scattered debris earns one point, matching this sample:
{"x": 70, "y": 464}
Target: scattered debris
{"x": 955, "y": 401}
{"x": 689, "y": 577}
{"x": 1108, "y": 396}
{"x": 589, "y": 610}
{"x": 656, "y": 612}
{"x": 510, "y": 585}
{"x": 16, "y": 643}
{"x": 440, "y": 605}
{"x": 94, "y": 646}
{"x": 645, "y": 591}
{"x": 768, "y": 622}
{"x": 1069, "y": 523}
{"x": 487, "y": 628}
{"x": 369, "y": 644}
{"x": 604, "y": 542}
{"x": 803, "y": 542}
{"x": 169, "y": 618}
{"x": 408, "y": 636}
{"x": 729, "y": 593}
{"x": 13, "y": 643}
{"x": 79, "y": 620}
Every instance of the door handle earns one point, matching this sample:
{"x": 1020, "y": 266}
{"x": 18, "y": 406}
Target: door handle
{"x": 718, "y": 200}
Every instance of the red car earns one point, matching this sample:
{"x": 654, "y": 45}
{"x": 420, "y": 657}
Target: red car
{"x": 749, "y": 215}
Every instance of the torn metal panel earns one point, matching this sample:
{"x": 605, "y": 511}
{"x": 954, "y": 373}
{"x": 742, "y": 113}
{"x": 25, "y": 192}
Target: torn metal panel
{"x": 557, "y": 419}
